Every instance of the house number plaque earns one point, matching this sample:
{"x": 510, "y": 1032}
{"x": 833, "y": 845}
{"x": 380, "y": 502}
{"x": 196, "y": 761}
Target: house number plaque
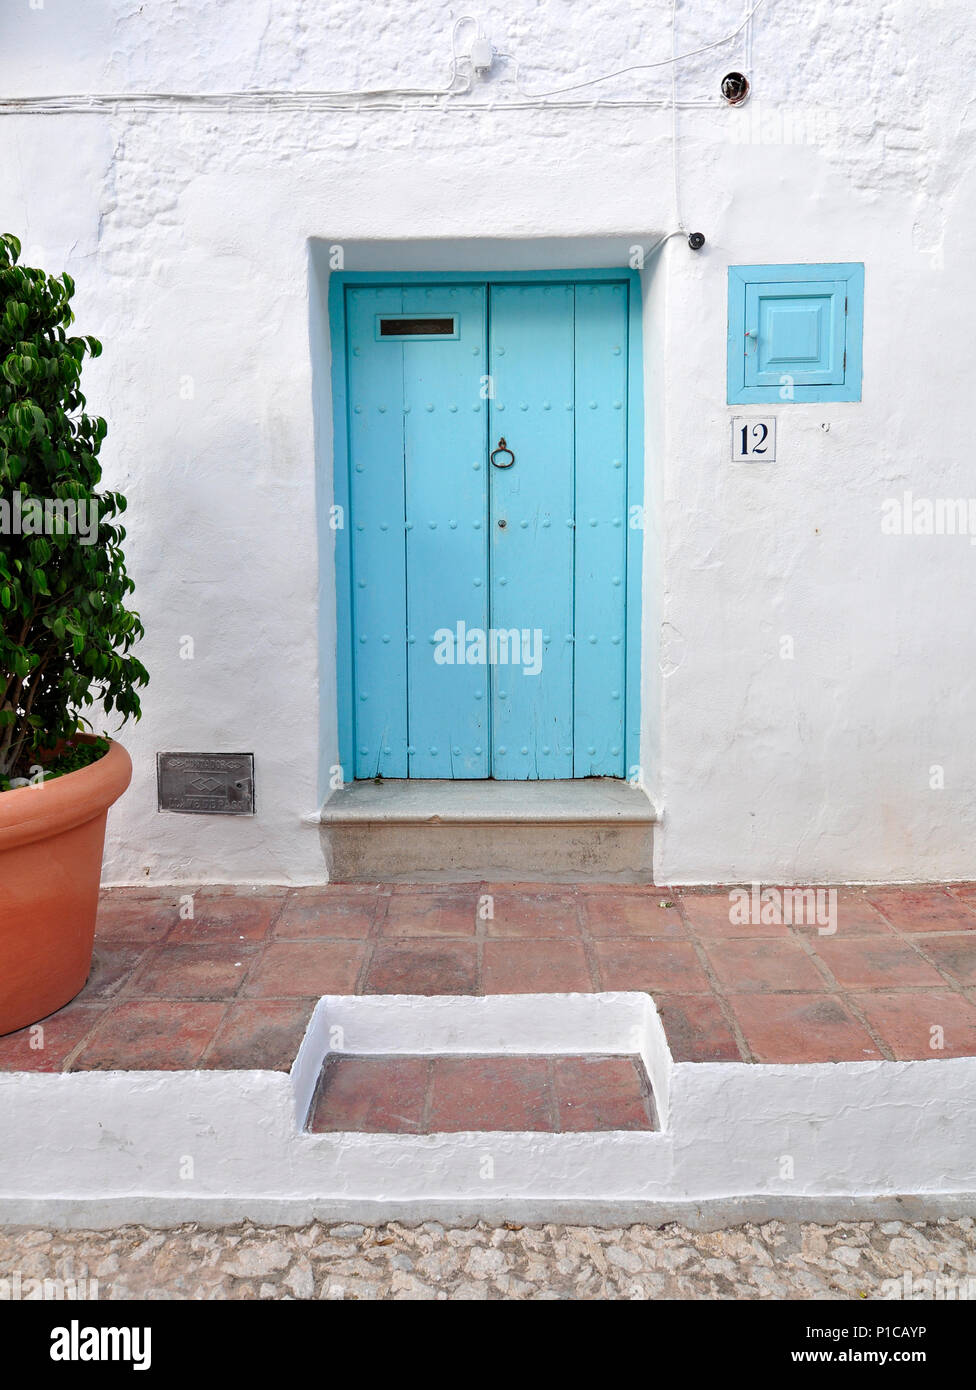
{"x": 210, "y": 784}
{"x": 753, "y": 440}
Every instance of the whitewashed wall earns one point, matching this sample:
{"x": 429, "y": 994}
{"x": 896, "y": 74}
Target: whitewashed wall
{"x": 188, "y": 230}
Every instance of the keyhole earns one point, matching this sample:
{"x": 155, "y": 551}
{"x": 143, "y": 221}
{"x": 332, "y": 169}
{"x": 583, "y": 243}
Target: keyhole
{"x": 503, "y": 524}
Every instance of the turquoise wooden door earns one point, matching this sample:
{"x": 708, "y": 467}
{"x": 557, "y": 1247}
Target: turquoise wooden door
{"x": 488, "y": 510}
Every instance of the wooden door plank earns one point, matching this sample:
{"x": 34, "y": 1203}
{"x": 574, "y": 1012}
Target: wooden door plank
{"x": 531, "y": 555}
{"x": 601, "y": 530}
{"x": 376, "y": 505}
{"x": 446, "y": 535}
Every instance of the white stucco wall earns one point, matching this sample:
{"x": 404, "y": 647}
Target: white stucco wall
{"x": 188, "y": 229}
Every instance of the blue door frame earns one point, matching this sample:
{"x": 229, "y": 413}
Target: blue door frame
{"x": 339, "y": 281}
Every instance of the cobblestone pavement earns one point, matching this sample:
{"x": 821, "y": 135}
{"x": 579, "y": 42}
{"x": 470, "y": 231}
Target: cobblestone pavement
{"x": 774, "y": 1261}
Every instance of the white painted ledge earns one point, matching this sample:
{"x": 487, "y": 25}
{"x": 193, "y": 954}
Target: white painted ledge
{"x": 738, "y": 1141}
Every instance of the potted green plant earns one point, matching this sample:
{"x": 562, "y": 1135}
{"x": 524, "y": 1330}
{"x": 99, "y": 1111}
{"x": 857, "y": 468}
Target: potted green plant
{"x": 65, "y": 646}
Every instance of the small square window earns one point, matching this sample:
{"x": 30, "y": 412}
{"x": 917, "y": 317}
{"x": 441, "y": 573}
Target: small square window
{"x": 795, "y": 333}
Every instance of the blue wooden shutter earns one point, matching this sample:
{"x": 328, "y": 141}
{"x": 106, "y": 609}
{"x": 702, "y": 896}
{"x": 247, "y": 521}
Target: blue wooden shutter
{"x": 795, "y": 333}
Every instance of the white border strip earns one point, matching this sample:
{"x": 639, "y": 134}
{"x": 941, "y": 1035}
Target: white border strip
{"x": 607, "y": 1024}
{"x": 738, "y": 1141}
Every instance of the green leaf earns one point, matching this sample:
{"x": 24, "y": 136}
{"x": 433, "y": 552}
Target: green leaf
{"x": 64, "y": 620}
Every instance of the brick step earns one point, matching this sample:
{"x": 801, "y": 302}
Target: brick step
{"x": 397, "y": 1094}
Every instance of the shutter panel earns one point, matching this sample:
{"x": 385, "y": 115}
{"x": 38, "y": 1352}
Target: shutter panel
{"x": 795, "y": 333}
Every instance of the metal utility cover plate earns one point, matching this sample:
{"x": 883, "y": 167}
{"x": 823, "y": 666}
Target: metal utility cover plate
{"x": 211, "y": 784}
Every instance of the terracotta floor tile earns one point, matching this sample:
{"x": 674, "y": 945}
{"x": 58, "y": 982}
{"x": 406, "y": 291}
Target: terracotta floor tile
{"x": 300, "y": 943}
{"x": 371, "y": 1095}
{"x": 310, "y": 913}
{"x": 924, "y": 910}
{"x": 193, "y": 972}
{"x": 601, "y": 1093}
{"x": 489, "y": 1093}
{"x": 532, "y": 915}
{"x": 875, "y": 962}
{"x": 45, "y": 1045}
{"x": 445, "y": 913}
{"x": 228, "y": 917}
{"x": 695, "y": 1028}
{"x": 150, "y": 1036}
{"x": 801, "y": 1028}
{"x": 669, "y": 966}
{"x": 608, "y": 915}
{"x": 965, "y": 892}
{"x": 907, "y": 1020}
{"x": 741, "y": 965}
{"x": 954, "y": 954}
{"x": 137, "y": 919}
{"x": 423, "y": 967}
{"x": 305, "y": 969}
{"x": 535, "y": 967}
{"x": 856, "y": 916}
{"x": 112, "y": 969}
{"x": 708, "y": 916}
{"x": 259, "y": 1035}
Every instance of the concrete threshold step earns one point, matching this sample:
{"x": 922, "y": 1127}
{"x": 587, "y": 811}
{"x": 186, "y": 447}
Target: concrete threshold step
{"x": 596, "y": 829}
{"x": 455, "y": 1094}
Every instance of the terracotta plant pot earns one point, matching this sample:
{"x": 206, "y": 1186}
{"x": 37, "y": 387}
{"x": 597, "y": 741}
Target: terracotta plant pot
{"x": 51, "y": 841}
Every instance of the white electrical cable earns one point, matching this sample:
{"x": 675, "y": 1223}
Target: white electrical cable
{"x": 660, "y": 242}
{"x": 382, "y": 98}
{"x": 317, "y": 101}
{"x": 636, "y": 67}
{"x": 256, "y": 96}
{"x": 674, "y": 113}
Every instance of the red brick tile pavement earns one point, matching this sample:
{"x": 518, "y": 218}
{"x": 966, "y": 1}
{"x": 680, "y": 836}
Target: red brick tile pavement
{"x": 601, "y": 1093}
{"x": 925, "y": 910}
{"x": 536, "y": 967}
{"x": 158, "y": 1035}
{"x": 669, "y": 966}
{"x": 764, "y": 965}
{"x": 431, "y": 914}
{"x": 259, "y": 1035}
{"x": 921, "y": 1023}
{"x": 373, "y": 1095}
{"x": 422, "y": 967}
{"x": 489, "y": 1093}
{"x": 802, "y": 1027}
{"x": 47, "y": 1045}
{"x": 237, "y": 979}
{"x": 303, "y": 969}
{"x": 451, "y": 1095}
{"x": 330, "y": 912}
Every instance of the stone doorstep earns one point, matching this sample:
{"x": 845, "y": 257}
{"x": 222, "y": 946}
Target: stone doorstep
{"x": 402, "y": 831}
{"x": 585, "y": 800}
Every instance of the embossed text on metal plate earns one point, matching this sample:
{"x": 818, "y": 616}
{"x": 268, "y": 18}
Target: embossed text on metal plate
{"x": 209, "y": 784}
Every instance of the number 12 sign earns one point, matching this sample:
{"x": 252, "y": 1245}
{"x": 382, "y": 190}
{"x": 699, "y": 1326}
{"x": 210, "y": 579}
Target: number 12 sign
{"x": 753, "y": 441}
